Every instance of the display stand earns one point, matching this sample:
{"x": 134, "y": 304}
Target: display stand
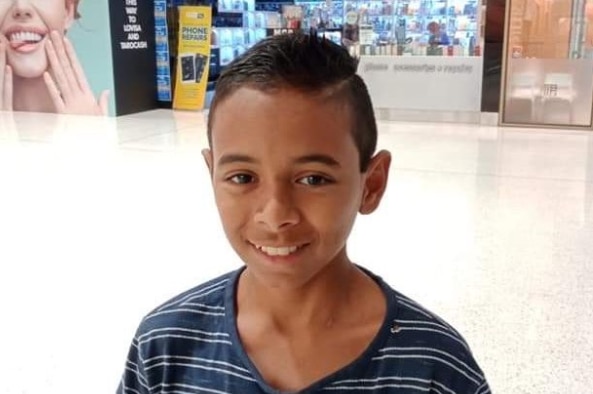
{"x": 429, "y": 83}
{"x": 236, "y": 27}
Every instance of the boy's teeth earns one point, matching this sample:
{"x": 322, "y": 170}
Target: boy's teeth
{"x": 284, "y": 251}
{"x": 25, "y": 36}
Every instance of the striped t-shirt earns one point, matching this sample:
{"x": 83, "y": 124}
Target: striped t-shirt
{"x": 191, "y": 345}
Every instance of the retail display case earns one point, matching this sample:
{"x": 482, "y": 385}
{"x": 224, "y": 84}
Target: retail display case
{"x": 419, "y": 55}
{"x": 399, "y": 27}
{"x": 414, "y": 27}
{"x": 233, "y": 32}
{"x": 322, "y": 15}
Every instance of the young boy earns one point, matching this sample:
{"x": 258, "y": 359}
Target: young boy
{"x": 292, "y": 159}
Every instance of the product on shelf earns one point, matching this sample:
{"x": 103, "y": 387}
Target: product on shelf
{"x": 410, "y": 27}
{"x": 322, "y": 15}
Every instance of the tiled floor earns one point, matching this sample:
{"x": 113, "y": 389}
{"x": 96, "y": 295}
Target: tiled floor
{"x": 103, "y": 219}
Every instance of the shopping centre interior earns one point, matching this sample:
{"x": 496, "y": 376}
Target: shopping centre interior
{"x": 486, "y": 108}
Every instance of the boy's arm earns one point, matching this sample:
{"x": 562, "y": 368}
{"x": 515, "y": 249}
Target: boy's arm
{"x": 134, "y": 380}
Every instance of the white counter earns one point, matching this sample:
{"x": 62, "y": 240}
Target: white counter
{"x": 431, "y": 83}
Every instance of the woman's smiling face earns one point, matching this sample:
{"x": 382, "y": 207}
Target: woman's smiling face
{"x": 25, "y": 25}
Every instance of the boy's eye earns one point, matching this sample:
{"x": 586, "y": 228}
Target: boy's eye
{"x": 314, "y": 180}
{"x": 241, "y": 179}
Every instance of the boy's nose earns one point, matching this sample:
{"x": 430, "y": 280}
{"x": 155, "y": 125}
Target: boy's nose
{"x": 277, "y": 211}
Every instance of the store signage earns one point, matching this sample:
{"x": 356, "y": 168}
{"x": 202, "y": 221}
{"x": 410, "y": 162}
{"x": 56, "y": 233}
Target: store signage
{"x": 194, "y": 57}
{"x": 434, "y": 83}
{"x": 133, "y": 43}
{"x": 133, "y": 33}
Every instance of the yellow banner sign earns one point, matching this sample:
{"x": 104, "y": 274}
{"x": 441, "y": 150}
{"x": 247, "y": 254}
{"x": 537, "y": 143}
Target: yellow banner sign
{"x": 193, "y": 57}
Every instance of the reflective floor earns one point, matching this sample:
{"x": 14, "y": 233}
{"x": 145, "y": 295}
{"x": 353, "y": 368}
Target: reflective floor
{"x": 103, "y": 219}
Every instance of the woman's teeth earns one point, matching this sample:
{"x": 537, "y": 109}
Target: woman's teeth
{"x": 25, "y": 36}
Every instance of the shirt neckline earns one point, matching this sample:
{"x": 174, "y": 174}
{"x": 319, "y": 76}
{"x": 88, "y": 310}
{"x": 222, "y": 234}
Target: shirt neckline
{"x": 349, "y": 371}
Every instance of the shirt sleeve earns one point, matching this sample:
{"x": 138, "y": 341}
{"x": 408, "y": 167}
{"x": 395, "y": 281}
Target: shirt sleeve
{"x": 134, "y": 379}
{"x": 483, "y": 388}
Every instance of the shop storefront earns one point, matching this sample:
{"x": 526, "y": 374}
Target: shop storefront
{"x": 548, "y": 64}
{"x": 415, "y": 55}
{"x": 419, "y": 58}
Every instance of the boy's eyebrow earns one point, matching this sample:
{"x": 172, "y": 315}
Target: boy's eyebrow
{"x": 231, "y": 158}
{"x": 235, "y": 158}
{"x": 318, "y": 158}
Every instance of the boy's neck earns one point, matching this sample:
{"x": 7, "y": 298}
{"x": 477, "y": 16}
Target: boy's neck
{"x": 321, "y": 303}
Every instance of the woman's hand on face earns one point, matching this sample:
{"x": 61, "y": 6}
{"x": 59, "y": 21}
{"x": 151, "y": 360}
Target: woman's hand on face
{"x": 5, "y": 77}
{"x": 70, "y": 90}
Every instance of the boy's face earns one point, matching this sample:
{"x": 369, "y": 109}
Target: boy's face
{"x": 287, "y": 183}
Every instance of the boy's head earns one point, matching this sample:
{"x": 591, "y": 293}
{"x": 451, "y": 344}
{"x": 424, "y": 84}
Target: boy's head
{"x": 312, "y": 66}
{"x": 292, "y": 136}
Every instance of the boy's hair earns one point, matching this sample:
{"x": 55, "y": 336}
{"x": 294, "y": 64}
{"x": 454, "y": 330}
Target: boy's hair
{"x": 310, "y": 65}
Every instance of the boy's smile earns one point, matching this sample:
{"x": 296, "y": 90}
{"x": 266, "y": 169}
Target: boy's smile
{"x": 287, "y": 205}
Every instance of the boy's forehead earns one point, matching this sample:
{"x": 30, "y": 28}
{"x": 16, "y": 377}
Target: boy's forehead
{"x": 279, "y": 122}
{"x": 280, "y": 94}
{"x": 280, "y": 108}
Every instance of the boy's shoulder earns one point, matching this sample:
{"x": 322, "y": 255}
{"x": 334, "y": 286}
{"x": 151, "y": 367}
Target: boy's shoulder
{"x": 411, "y": 316}
{"x": 427, "y": 342}
{"x": 195, "y": 308}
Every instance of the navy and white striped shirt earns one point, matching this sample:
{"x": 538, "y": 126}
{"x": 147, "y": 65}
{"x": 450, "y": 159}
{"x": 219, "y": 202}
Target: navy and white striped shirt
{"x": 191, "y": 345}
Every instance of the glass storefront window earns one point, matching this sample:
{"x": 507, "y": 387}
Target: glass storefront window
{"x": 548, "y": 78}
{"x": 400, "y": 27}
{"x": 439, "y": 26}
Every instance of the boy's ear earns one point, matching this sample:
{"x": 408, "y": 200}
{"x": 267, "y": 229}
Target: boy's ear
{"x": 207, "y": 154}
{"x": 375, "y": 182}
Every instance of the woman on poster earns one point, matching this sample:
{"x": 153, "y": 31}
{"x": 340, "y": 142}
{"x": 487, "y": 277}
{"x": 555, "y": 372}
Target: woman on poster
{"x": 39, "y": 69}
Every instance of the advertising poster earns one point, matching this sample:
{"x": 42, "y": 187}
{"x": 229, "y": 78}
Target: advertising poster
{"x": 193, "y": 57}
{"x": 55, "y": 56}
{"x": 82, "y": 57}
